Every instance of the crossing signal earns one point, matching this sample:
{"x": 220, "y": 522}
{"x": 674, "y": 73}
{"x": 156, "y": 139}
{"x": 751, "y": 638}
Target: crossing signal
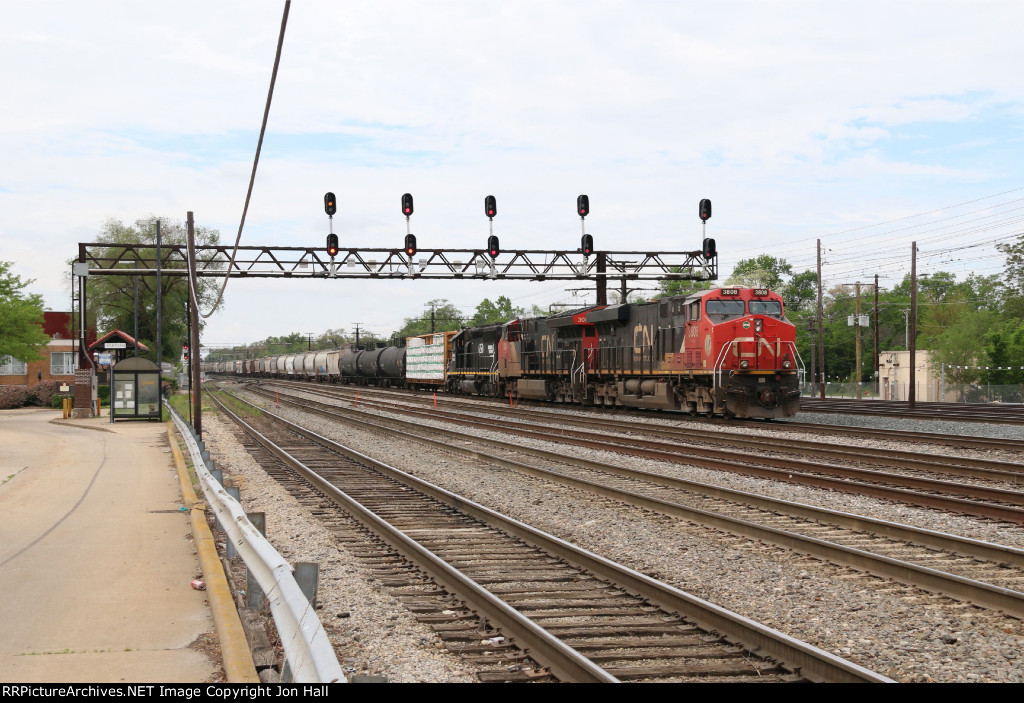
{"x": 332, "y": 245}
{"x": 583, "y": 205}
{"x": 490, "y": 206}
{"x": 407, "y": 204}
{"x": 330, "y": 204}
{"x": 587, "y": 242}
{"x": 410, "y": 239}
{"x": 709, "y": 248}
{"x": 184, "y": 352}
{"x": 705, "y": 209}
{"x": 492, "y": 246}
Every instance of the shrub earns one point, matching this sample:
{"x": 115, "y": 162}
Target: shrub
{"x": 13, "y": 397}
{"x": 43, "y": 392}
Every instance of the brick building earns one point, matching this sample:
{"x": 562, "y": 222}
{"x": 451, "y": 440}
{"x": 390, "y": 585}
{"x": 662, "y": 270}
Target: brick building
{"x": 60, "y": 356}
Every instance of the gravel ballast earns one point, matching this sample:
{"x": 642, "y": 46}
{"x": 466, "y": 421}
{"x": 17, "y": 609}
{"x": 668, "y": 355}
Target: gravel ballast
{"x": 898, "y": 631}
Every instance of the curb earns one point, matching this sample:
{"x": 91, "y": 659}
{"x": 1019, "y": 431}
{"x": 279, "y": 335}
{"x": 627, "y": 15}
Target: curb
{"x": 238, "y": 664}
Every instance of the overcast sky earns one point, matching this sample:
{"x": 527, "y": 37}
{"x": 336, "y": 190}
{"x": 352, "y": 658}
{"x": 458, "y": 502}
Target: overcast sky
{"x": 867, "y": 125}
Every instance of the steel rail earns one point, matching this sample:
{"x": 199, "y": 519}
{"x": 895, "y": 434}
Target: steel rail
{"x": 793, "y": 471}
{"x": 809, "y": 661}
{"x": 978, "y": 468}
{"x": 979, "y": 592}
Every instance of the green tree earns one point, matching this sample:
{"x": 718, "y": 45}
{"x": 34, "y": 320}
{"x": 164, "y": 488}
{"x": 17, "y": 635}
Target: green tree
{"x": 446, "y": 317}
{"x": 958, "y": 349}
{"x": 1005, "y": 349}
{"x": 673, "y": 287}
{"x": 765, "y": 271}
{"x": 488, "y": 313}
{"x": 21, "y": 318}
{"x": 112, "y": 297}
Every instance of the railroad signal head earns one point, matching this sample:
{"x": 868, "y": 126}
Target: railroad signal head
{"x": 492, "y": 246}
{"x": 490, "y": 206}
{"x": 587, "y": 244}
{"x": 330, "y": 204}
{"x": 184, "y": 352}
{"x": 332, "y": 245}
{"x": 709, "y": 248}
{"x": 410, "y": 244}
{"x": 407, "y": 204}
{"x": 704, "y": 210}
{"x": 583, "y": 206}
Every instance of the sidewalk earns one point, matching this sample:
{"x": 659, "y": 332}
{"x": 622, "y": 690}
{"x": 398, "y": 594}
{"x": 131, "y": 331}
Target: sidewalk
{"x": 96, "y": 559}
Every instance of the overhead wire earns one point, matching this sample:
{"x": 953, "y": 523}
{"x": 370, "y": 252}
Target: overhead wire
{"x": 255, "y": 164}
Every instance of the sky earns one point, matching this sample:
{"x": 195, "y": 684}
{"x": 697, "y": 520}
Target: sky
{"x": 866, "y": 125}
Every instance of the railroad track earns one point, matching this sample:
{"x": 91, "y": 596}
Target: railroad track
{"x": 978, "y": 572}
{"x": 1006, "y": 504}
{"x": 580, "y": 616}
{"x": 1009, "y": 414}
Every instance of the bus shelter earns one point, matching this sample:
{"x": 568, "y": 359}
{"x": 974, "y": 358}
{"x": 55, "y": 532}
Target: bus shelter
{"x": 135, "y": 390}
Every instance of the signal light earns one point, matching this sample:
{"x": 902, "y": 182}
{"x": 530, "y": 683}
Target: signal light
{"x": 704, "y": 209}
{"x": 709, "y": 248}
{"x": 490, "y": 206}
{"x": 184, "y": 352}
{"x": 492, "y": 246}
{"x": 330, "y": 204}
{"x": 410, "y": 243}
{"x": 587, "y": 242}
{"x": 583, "y": 205}
{"x": 332, "y": 245}
{"x": 407, "y": 204}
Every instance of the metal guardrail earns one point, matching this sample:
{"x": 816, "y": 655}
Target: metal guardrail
{"x": 307, "y": 649}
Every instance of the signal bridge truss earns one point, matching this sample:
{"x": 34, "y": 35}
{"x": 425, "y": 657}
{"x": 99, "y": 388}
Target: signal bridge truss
{"x": 299, "y": 262}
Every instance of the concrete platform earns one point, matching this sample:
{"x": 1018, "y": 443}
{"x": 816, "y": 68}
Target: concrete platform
{"x": 96, "y": 559}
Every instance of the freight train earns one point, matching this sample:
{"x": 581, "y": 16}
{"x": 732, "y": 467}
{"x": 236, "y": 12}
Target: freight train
{"x": 727, "y": 351}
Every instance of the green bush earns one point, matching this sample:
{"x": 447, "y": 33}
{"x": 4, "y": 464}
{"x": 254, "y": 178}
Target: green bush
{"x": 104, "y": 394}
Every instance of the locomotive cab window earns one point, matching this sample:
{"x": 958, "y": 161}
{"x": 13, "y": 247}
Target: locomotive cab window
{"x": 766, "y": 307}
{"x": 725, "y": 307}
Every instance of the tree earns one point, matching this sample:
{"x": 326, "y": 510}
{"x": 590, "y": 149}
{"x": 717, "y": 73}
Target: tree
{"x": 668, "y": 288}
{"x": 112, "y": 297}
{"x": 21, "y": 318}
{"x": 446, "y": 317}
{"x": 958, "y": 349}
{"x": 766, "y": 271}
{"x": 488, "y": 313}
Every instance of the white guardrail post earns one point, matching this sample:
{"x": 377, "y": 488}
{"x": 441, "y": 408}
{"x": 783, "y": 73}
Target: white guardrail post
{"x": 307, "y": 649}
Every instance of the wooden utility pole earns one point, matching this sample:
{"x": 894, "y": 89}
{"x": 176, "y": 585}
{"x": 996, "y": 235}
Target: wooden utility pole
{"x": 878, "y": 375}
{"x": 856, "y": 373}
{"x": 912, "y": 342}
{"x": 193, "y": 342}
{"x": 821, "y": 331}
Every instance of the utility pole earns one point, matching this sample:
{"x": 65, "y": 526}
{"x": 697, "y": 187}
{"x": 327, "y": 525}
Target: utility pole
{"x": 193, "y": 347}
{"x": 878, "y": 375}
{"x": 357, "y": 333}
{"x": 911, "y": 394}
{"x": 821, "y": 330}
{"x": 856, "y": 373}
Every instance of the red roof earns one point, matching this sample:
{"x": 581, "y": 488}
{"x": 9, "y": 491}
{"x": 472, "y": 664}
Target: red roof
{"x": 119, "y": 336}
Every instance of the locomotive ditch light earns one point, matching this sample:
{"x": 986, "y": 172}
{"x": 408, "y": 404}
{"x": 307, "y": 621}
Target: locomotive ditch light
{"x": 330, "y": 204}
{"x": 704, "y": 209}
{"x": 490, "y": 206}
{"x": 583, "y": 205}
{"x": 492, "y": 246}
{"x": 410, "y": 244}
{"x": 709, "y": 248}
{"x": 407, "y": 204}
{"x": 332, "y": 245}
{"x": 587, "y": 244}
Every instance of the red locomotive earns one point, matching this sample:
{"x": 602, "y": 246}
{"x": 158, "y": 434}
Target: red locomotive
{"x": 728, "y": 351}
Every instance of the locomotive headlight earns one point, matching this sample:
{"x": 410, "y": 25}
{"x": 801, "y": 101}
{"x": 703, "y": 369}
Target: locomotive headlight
{"x": 757, "y": 324}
